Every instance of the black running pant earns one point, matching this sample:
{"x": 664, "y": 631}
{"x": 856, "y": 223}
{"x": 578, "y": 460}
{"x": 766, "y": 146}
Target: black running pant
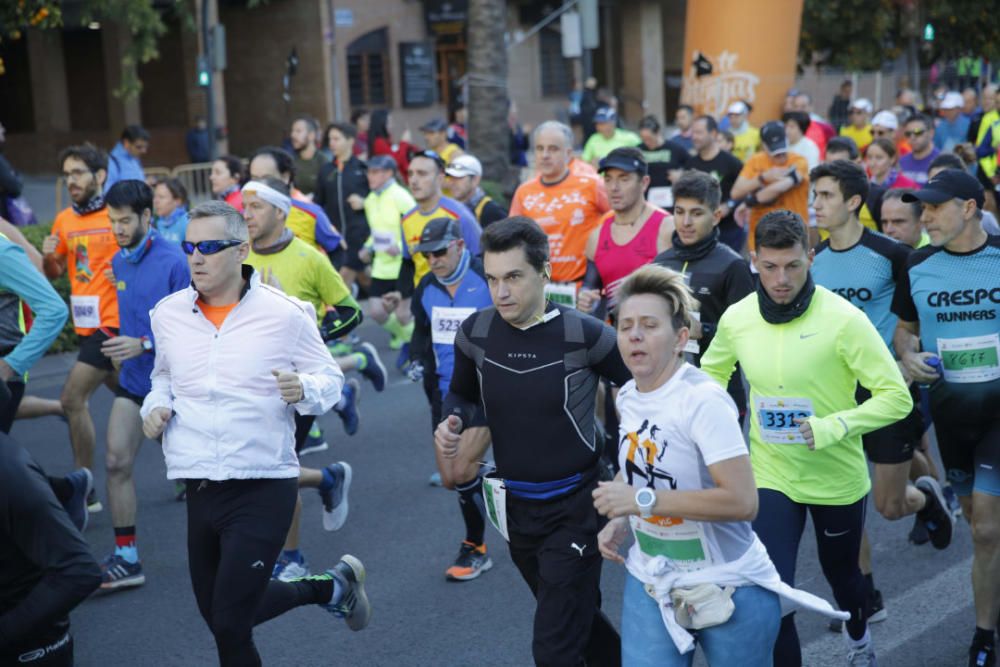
{"x": 839, "y": 528}
{"x": 236, "y": 529}
{"x": 53, "y": 648}
{"x": 554, "y": 545}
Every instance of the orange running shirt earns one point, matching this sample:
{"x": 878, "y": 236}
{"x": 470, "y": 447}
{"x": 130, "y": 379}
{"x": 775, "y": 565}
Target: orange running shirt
{"x": 88, "y": 244}
{"x": 568, "y": 211}
{"x": 795, "y": 200}
{"x": 216, "y": 314}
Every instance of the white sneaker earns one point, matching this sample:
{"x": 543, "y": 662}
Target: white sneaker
{"x": 860, "y": 656}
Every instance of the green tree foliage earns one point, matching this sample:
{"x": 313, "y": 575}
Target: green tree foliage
{"x": 863, "y": 34}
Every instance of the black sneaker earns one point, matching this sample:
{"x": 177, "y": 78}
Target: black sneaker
{"x": 982, "y": 655}
{"x": 939, "y": 520}
{"x": 876, "y": 608}
{"x": 919, "y": 534}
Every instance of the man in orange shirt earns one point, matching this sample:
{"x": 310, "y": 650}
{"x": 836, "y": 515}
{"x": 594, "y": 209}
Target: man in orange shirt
{"x": 83, "y": 244}
{"x": 567, "y": 206}
{"x": 771, "y": 179}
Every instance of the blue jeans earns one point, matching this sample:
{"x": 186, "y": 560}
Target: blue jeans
{"x": 746, "y": 639}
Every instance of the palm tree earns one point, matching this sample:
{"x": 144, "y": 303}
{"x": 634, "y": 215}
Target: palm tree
{"x": 487, "y": 84}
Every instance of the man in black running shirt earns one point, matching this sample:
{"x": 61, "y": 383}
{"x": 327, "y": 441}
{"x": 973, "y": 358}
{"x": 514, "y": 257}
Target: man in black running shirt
{"x": 535, "y": 366}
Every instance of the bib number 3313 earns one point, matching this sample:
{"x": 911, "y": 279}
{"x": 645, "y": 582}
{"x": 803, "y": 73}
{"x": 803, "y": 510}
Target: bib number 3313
{"x": 776, "y": 419}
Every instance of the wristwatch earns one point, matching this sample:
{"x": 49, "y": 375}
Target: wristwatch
{"x": 147, "y": 345}
{"x": 645, "y": 498}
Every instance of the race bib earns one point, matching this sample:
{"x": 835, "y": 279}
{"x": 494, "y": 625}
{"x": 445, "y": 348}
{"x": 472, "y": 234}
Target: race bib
{"x": 86, "y": 311}
{"x": 495, "y": 496}
{"x": 973, "y": 359}
{"x": 445, "y": 323}
{"x": 562, "y": 293}
{"x": 661, "y": 196}
{"x": 680, "y": 541}
{"x": 382, "y": 241}
{"x": 776, "y": 419}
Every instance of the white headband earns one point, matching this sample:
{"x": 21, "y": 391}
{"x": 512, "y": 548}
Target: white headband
{"x": 268, "y": 194}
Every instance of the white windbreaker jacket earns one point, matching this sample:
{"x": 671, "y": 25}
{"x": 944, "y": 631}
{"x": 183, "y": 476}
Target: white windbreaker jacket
{"x": 229, "y": 421}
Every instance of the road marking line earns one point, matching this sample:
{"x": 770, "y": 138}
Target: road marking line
{"x": 930, "y": 601}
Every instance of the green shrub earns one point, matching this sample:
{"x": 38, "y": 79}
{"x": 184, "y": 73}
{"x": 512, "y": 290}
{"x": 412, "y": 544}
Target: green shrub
{"x": 67, "y": 340}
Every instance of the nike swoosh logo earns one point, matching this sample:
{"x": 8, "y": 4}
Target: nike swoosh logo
{"x": 829, "y": 534}
{"x": 804, "y": 336}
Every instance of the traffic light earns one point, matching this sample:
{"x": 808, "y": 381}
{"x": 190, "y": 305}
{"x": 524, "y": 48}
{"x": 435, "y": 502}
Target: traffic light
{"x": 204, "y": 75}
{"x": 928, "y": 33}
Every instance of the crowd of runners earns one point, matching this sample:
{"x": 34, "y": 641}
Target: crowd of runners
{"x": 676, "y": 347}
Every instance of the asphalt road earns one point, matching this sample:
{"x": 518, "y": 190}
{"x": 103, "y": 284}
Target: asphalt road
{"x": 407, "y": 533}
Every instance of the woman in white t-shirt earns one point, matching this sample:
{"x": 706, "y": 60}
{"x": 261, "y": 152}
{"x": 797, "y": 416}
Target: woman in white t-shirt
{"x": 687, "y": 490}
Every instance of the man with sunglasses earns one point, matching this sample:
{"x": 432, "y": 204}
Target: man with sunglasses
{"x": 226, "y": 417}
{"x": 82, "y": 244}
{"x": 454, "y": 289}
{"x": 290, "y": 264}
{"x": 147, "y": 268}
{"x": 919, "y": 132}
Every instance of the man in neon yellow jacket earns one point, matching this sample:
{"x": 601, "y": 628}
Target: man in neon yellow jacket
{"x": 804, "y": 350}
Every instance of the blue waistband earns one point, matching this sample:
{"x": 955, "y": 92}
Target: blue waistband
{"x": 543, "y": 490}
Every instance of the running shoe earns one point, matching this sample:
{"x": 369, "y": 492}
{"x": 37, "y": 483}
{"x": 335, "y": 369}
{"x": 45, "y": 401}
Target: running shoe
{"x": 93, "y": 504}
{"x": 180, "y": 490}
{"x": 339, "y": 348}
{"x": 876, "y": 608}
{"x": 403, "y": 358}
{"x": 373, "y": 369}
{"x": 348, "y": 413}
{"x": 472, "y": 561}
{"x": 286, "y": 569}
{"x": 861, "y": 656}
{"x": 982, "y": 655}
{"x": 314, "y": 441}
{"x": 116, "y": 572}
{"x": 335, "y": 502}
{"x": 435, "y": 480}
{"x": 951, "y": 498}
{"x": 919, "y": 534}
{"x": 353, "y": 605}
{"x": 82, "y": 482}
{"x": 939, "y": 520}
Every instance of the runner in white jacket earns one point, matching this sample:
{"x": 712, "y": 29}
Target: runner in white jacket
{"x": 234, "y": 359}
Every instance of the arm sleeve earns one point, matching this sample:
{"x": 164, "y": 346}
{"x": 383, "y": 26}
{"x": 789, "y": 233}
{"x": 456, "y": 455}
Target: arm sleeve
{"x": 321, "y": 377}
{"x": 603, "y": 355}
{"x": 592, "y": 278}
{"x": 464, "y": 392}
{"x": 719, "y": 360}
{"x": 420, "y": 343}
{"x": 160, "y": 394}
{"x": 902, "y": 300}
{"x": 34, "y": 522}
{"x": 10, "y": 183}
{"x": 861, "y": 348}
{"x": 19, "y": 276}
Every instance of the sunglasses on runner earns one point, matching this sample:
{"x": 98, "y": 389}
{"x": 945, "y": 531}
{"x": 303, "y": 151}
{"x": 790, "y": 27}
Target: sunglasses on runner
{"x": 439, "y": 253}
{"x": 209, "y": 247}
{"x": 913, "y": 133}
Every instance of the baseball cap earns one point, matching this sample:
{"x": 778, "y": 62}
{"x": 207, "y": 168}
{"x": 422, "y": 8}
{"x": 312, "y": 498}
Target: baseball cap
{"x": 863, "y": 104}
{"x": 381, "y": 162}
{"x": 886, "y": 119}
{"x": 437, "y": 234}
{"x": 434, "y": 125}
{"x": 949, "y": 184}
{"x": 464, "y": 165}
{"x": 952, "y": 100}
{"x": 605, "y": 115}
{"x": 772, "y": 134}
{"x": 624, "y": 159}
{"x": 737, "y": 108}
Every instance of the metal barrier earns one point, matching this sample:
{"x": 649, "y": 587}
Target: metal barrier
{"x": 194, "y": 177}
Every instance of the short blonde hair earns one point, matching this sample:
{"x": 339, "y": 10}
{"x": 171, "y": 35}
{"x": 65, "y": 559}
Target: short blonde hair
{"x": 664, "y": 283}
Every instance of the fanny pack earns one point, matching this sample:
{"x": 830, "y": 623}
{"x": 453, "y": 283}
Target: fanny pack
{"x": 701, "y": 606}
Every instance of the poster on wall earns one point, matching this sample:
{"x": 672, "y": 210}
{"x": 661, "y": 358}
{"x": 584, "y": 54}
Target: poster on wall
{"x": 418, "y": 78}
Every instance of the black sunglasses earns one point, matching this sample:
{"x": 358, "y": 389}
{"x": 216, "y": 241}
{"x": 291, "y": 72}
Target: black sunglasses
{"x": 209, "y": 247}
{"x": 439, "y": 253}
{"x": 913, "y": 133}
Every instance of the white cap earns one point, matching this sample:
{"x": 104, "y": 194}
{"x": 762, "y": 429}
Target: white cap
{"x": 952, "y": 100}
{"x": 886, "y": 119}
{"x": 737, "y": 107}
{"x": 863, "y": 104}
{"x": 464, "y": 165}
